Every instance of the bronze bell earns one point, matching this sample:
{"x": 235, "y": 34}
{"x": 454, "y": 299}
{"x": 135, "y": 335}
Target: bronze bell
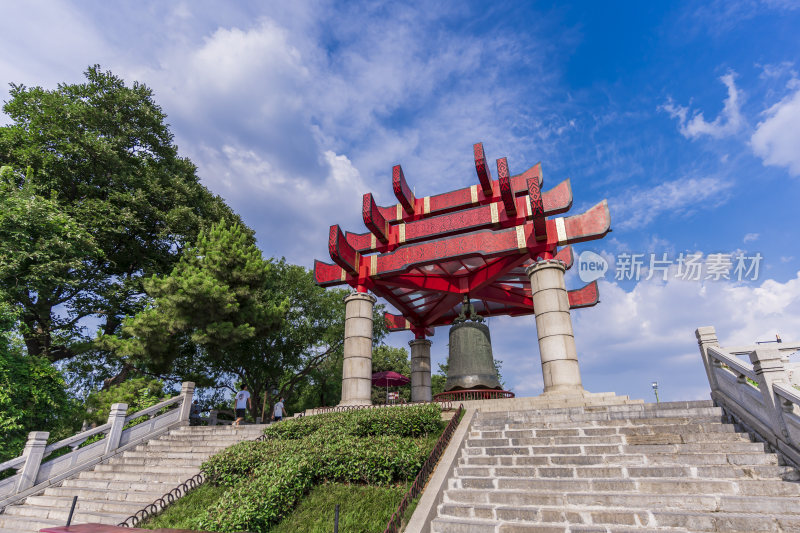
{"x": 470, "y": 363}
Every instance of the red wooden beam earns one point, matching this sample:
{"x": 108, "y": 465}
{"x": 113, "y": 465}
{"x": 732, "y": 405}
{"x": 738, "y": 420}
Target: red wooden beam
{"x": 443, "y": 306}
{"x": 458, "y": 199}
{"x": 537, "y": 209}
{"x": 482, "y": 168}
{"x": 593, "y": 224}
{"x": 373, "y": 219}
{"x": 555, "y": 201}
{"x": 401, "y": 190}
{"x": 506, "y": 192}
{"x": 327, "y": 275}
{"x": 486, "y": 275}
{"x": 341, "y": 252}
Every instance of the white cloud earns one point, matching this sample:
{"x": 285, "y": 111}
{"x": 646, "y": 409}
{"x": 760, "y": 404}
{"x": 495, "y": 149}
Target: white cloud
{"x": 679, "y": 197}
{"x": 750, "y": 237}
{"x": 728, "y": 122}
{"x": 777, "y": 138}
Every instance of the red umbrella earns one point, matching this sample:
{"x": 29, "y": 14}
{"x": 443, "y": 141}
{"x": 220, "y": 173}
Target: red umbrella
{"x": 389, "y": 379}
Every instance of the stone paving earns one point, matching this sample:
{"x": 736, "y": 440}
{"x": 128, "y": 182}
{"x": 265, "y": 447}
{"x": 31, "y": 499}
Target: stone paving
{"x": 617, "y": 468}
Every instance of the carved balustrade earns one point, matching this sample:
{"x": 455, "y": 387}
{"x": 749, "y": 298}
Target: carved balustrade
{"x": 761, "y": 395}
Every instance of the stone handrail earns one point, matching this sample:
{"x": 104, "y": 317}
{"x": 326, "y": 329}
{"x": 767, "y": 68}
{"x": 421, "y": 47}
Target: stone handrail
{"x": 34, "y": 474}
{"x": 76, "y": 440}
{"x": 732, "y": 362}
{"x": 759, "y": 394}
{"x": 154, "y": 408}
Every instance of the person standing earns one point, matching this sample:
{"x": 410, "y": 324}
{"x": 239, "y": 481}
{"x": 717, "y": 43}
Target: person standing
{"x": 279, "y": 411}
{"x": 243, "y": 403}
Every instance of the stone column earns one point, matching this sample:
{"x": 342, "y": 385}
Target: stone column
{"x": 420, "y": 370}
{"x": 707, "y": 336}
{"x": 116, "y": 417}
{"x": 554, "y": 327}
{"x": 187, "y": 391}
{"x": 357, "y": 367}
{"x": 768, "y": 366}
{"x": 33, "y": 453}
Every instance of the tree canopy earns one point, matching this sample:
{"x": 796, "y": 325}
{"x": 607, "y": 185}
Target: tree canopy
{"x": 101, "y": 161}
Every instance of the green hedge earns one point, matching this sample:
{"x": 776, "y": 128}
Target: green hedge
{"x": 268, "y": 478}
{"x": 258, "y": 503}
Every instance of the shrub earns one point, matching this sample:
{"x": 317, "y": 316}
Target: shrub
{"x": 377, "y": 460}
{"x": 403, "y": 422}
{"x": 241, "y": 461}
{"x": 256, "y": 504}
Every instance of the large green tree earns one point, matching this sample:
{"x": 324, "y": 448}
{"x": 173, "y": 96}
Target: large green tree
{"x": 207, "y": 313}
{"x": 102, "y": 153}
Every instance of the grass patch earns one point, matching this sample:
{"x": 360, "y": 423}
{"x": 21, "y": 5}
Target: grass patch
{"x": 362, "y": 509}
{"x": 186, "y": 512}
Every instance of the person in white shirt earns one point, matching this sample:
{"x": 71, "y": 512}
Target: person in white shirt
{"x": 243, "y": 403}
{"x": 279, "y": 411}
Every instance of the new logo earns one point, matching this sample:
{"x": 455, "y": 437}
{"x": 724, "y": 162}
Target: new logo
{"x": 591, "y": 266}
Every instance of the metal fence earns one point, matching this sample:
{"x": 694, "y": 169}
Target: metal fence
{"x": 396, "y": 522}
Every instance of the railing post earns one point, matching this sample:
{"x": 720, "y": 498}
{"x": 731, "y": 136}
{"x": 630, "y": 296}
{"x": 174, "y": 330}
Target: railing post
{"x": 707, "y": 336}
{"x": 187, "y": 391}
{"x": 33, "y": 453}
{"x": 212, "y": 417}
{"x": 117, "y": 420}
{"x": 768, "y": 366}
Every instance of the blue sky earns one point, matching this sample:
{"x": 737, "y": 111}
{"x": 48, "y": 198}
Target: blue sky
{"x": 683, "y": 114}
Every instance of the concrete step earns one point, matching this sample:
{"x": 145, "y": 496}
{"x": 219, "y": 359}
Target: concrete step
{"x": 166, "y": 462}
{"x": 589, "y": 420}
{"x": 86, "y": 504}
{"x": 602, "y": 500}
{"x": 182, "y": 470}
{"x": 617, "y": 427}
{"x": 61, "y": 515}
{"x": 580, "y": 418}
{"x": 773, "y": 472}
{"x": 660, "y": 438}
{"x": 197, "y": 456}
{"x": 593, "y": 431}
{"x": 237, "y": 433}
{"x": 189, "y": 446}
{"x": 733, "y": 522}
{"x": 600, "y": 449}
{"x": 705, "y": 459}
{"x": 26, "y": 524}
{"x": 167, "y": 477}
{"x": 462, "y": 525}
{"x": 130, "y": 486}
{"x": 742, "y": 487}
{"x": 221, "y": 430}
{"x": 140, "y": 497}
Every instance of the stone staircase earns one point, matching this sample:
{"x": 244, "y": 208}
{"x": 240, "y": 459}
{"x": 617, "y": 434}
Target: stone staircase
{"x": 112, "y": 491}
{"x": 616, "y": 468}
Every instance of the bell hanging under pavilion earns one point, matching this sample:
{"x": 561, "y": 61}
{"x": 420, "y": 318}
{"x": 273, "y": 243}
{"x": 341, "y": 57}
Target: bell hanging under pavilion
{"x": 470, "y": 363}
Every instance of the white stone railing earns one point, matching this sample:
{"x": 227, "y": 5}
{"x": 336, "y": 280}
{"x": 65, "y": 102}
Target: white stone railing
{"x": 760, "y": 395}
{"x": 34, "y": 474}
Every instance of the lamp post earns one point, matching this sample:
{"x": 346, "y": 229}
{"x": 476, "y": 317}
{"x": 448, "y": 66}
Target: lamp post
{"x": 655, "y": 390}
